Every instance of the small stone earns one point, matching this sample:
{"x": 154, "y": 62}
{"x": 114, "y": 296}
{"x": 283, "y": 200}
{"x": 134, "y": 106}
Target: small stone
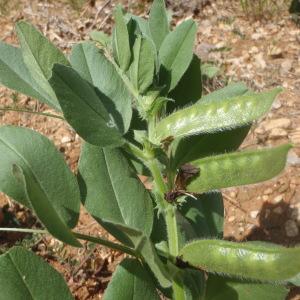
{"x": 233, "y": 194}
{"x": 254, "y": 214}
{"x": 295, "y": 213}
{"x": 277, "y": 133}
{"x": 291, "y": 228}
{"x": 286, "y": 66}
{"x": 283, "y": 123}
{"x": 253, "y": 50}
{"x": 293, "y": 158}
{"x": 278, "y": 210}
{"x": 231, "y": 219}
{"x": 277, "y": 199}
{"x": 284, "y": 186}
{"x": 259, "y": 61}
{"x": 295, "y": 137}
{"x": 265, "y": 198}
{"x": 250, "y": 226}
{"x": 256, "y": 36}
{"x": 277, "y": 104}
{"x": 220, "y": 45}
{"x": 275, "y": 52}
{"x": 268, "y": 191}
{"x": 66, "y": 139}
{"x": 259, "y": 130}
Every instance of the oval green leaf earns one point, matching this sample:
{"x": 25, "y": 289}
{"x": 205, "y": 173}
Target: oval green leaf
{"x": 94, "y": 67}
{"x": 144, "y": 246}
{"x": 176, "y": 53}
{"x": 158, "y": 22}
{"x": 195, "y": 147}
{"x": 189, "y": 88}
{"x": 131, "y": 281}
{"x": 84, "y": 108}
{"x": 252, "y": 260}
{"x": 39, "y": 55}
{"x": 123, "y": 198}
{"x": 142, "y": 68}
{"x": 220, "y": 288}
{"x": 41, "y": 204}
{"x": 214, "y": 116}
{"x": 205, "y": 214}
{"x": 32, "y": 152}
{"x": 23, "y": 275}
{"x": 238, "y": 168}
{"x": 121, "y": 44}
{"x": 15, "y": 76}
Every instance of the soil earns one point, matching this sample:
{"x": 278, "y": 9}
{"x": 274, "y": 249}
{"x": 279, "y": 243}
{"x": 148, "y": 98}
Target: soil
{"x": 264, "y": 52}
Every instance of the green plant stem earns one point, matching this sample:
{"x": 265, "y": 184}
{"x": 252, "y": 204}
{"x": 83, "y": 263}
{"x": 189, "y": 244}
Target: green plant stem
{"x": 178, "y": 291}
{"x": 172, "y": 229}
{"x": 31, "y": 112}
{"x": 169, "y": 212}
{"x": 169, "y": 209}
{"x": 106, "y": 243}
{"x": 157, "y": 176}
{"x": 134, "y": 150}
{"x": 93, "y": 239}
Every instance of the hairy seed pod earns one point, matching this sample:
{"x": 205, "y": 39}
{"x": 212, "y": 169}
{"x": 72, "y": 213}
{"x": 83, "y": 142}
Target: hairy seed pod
{"x": 238, "y": 168}
{"x": 213, "y": 116}
{"x": 253, "y": 260}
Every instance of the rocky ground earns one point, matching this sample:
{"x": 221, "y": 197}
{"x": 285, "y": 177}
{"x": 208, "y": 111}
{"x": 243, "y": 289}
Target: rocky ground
{"x": 264, "y": 52}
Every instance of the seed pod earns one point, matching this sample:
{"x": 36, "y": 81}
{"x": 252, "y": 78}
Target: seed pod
{"x": 238, "y": 168}
{"x": 205, "y": 117}
{"x": 253, "y": 260}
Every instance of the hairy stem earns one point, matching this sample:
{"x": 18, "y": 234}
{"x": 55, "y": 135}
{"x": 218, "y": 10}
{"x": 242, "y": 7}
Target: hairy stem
{"x": 93, "y": 239}
{"x": 106, "y": 243}
{"x": 135, "y": 151}
{"x": 31, "y": 112}
{"x": 169, "y": 212}
{"x": 178, "y": 291}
